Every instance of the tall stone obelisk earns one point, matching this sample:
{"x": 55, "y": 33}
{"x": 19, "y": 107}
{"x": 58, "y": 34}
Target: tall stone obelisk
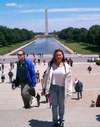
{"x": 46, "y": 22}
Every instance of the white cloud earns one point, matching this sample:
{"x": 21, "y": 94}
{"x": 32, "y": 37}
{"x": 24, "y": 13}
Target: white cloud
{"x": 74, "y": 10}
{"x": 11, "y": 5}
{"x": 83, "y": 17}
{"x": 61, "y": 23}
{"x": 54, "y": 10}
{"x": 79, "y": 21}
{"x": 32, "y": 10}
{"x": 14, "y": 5}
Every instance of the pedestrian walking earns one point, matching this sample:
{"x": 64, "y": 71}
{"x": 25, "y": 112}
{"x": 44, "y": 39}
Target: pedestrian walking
{"x": 70, "y": 62}
{"x": 10, "y": 74}
{"x": 89, "y": 69}
{"x": 2, "y": 67}
{"x": 39, "y": 61}
{"x": 78, "y": 85}
{"x": 44, "y": 61}
{"x": 25, "y": 77}
{"x": 38, "y": 76}
{"x": 2, "y": 77}
{"x": 11, "y": 65}
{"x": 57, "y": 78}
{"x": 93, "y": 104}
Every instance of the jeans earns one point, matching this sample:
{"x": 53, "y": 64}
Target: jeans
{"x": 25, "y": 94}
{"x": 58, "y": 96}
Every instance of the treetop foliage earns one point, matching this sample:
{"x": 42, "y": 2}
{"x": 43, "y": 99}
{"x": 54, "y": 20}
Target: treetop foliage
{"x": 91, "y": 36}
{"x": 10, "y": 36}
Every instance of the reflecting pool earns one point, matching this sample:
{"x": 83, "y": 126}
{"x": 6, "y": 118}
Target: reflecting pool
{"x": 44, "y": 46}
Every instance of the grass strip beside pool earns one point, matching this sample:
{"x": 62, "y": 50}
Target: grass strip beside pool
{"x": 82, "y": 48}
{"x": 9, "y": 48}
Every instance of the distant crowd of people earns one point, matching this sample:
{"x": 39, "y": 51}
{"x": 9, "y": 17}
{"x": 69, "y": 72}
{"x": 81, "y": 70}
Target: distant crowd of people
{"x": 10, "y": 73}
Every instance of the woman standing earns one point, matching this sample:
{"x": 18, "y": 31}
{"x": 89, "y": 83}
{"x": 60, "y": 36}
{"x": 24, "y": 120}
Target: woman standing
{"x": 58, "y": 76}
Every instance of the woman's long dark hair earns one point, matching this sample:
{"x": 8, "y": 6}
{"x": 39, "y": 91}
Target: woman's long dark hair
{"x": 53, "y": 59}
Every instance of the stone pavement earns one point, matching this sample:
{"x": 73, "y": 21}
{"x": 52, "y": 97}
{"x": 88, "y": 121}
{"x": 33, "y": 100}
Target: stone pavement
{"x": 78, "y": 112}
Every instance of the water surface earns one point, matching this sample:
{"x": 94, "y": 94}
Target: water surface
{"x": 44, "y": 46}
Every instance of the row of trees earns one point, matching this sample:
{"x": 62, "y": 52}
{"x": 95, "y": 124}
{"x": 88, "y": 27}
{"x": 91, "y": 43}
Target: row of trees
{"x": 91, "y": 36}
{"x": 10, "y": 36}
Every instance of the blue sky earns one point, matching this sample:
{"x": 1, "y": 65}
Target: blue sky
{"x": 61, "y": 13}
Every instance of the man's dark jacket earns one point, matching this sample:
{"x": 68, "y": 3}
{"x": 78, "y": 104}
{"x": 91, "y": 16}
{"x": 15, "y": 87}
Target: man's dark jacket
{"x": 29, "y": 74}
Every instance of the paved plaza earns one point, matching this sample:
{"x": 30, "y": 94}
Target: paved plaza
{"x": 78, "y": 112}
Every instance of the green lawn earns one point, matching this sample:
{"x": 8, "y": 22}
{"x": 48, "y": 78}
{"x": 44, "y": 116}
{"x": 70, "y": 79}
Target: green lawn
{"x": 7, "y": 49}
{"x": 82, "y": 48}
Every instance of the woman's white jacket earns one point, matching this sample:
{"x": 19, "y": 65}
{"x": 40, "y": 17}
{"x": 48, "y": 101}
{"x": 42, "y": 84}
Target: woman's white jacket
{"x": 68, "y": 79}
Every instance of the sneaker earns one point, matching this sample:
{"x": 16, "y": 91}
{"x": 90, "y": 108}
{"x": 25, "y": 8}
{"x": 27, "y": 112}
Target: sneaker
{"x": 56, "y": 125}
{"x": 27, "y": 106}
{"x": 61, "y": 124}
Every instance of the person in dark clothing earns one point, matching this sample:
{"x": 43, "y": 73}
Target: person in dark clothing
{"x": 10, "y": 74}
{"x": 39, "y": 61}
{"x": 44, "y": 62}
{"x": 92, "y": 103}
{"x": 78, "y": 85}
{"x": 38, "y": 76}
{"x": 46, "y": 97}
{"x": 11, "y": 65}
{"x": 25, "y": 77}
{"x": 2, "y": 66}
{"x": 89, "y": 69}
{"x": 70, "y": 62}
{"x": 14, "y": 84}
{"x": 2, "y": 77}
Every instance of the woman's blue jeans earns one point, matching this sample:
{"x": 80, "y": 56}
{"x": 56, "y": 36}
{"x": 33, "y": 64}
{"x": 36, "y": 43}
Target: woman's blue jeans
{"x": 58, "y": 96}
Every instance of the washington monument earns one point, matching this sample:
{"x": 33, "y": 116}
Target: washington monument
{"x": 46, "y": 22}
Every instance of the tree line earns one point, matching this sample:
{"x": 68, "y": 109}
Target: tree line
{"x": 10, "y": 36}
{"x": 91, "y": 36}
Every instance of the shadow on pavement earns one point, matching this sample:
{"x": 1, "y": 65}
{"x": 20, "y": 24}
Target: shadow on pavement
{"x": 38, "y": 123}
{"x": 43, "y": 102}
{"x": 98, "y": 117}
{"x": 74, "y": 98}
